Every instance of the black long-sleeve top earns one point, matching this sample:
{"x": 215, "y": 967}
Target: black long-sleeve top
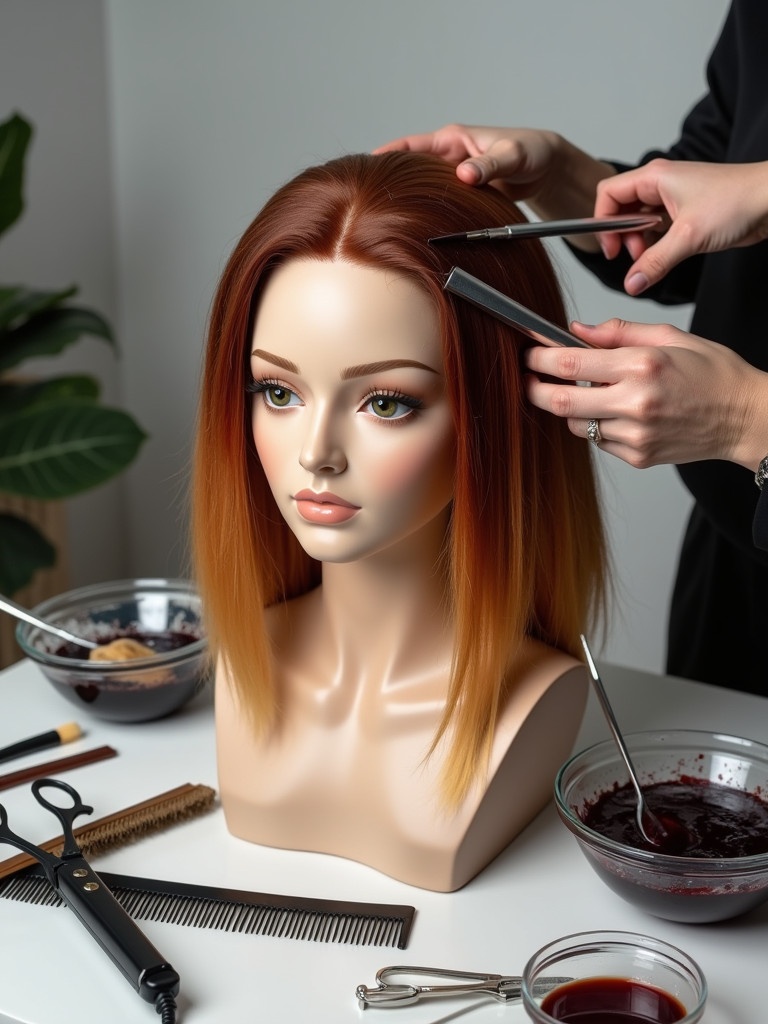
{"x": 729, "y": 289}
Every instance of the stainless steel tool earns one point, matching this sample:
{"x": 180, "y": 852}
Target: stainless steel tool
{"x": 389, "y": 994}
{"x": 459, "y": 282}
{"x": 551, "y": 228}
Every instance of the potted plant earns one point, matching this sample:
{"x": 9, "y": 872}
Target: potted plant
{"x": 56, "y": 439}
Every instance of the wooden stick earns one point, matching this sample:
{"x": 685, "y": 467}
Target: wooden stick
{"x": 63, "y": 764}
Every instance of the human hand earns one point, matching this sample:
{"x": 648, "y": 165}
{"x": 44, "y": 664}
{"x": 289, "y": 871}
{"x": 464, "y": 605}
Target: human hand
{"x": 554, "y": 177}
{"x": 711, "y": 207}
{"x": 521, "y": 158}
{"x": 665, "y": 397}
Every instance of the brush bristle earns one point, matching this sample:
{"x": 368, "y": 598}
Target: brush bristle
{"x": 153, "y": 815}
{"x": 109, "y": 835}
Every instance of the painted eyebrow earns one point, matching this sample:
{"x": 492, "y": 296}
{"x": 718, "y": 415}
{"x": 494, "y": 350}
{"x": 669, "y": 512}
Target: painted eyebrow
{"x": 364, "y": 369}
{"x": 284, "y": 364}
{"x": 361, "y": 370}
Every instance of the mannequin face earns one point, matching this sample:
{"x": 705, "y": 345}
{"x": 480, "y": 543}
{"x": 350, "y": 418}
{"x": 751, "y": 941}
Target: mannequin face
{"x": 350, "y": 416}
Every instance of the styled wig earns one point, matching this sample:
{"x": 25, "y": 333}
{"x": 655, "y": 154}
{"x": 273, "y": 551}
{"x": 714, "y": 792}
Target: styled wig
{"x": 525, "y": 545}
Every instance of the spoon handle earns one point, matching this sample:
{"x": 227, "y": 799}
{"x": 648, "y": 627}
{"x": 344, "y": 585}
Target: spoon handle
{"x": 602, "y": 696}
{"x": 7, "y": 605}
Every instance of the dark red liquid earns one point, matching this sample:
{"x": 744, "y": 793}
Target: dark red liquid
{"x": 114, "y": 691}
{"x": 720, "y": 821}
{"x": 160, "y": 643}
{"x": 612, "y": 1001}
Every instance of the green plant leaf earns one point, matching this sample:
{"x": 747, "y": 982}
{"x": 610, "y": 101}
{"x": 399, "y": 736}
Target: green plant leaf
{"x": 19, "y": 303}
{"x": 16, "y": 397}
{"x": 65, "y": 447}
{"x": 23, "y": 550}
{"x": 15, "y": 134}
{"x": 47, "y": 333}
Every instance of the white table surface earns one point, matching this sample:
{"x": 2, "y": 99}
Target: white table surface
{"x": 539, "y": 888}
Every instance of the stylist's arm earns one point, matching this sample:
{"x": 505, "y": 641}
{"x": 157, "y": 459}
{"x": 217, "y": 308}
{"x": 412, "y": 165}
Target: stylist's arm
{"x": 666, "y": 396}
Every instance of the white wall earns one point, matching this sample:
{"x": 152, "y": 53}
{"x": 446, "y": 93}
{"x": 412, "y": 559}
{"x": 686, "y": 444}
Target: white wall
{"x": 212, "y": 106}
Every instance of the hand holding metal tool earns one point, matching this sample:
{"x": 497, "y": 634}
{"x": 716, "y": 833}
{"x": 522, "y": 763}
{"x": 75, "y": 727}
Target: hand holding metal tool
{"x": 552, "y": 228}
{"x": 90, "y": 899}
{"x": 504, "y": 988}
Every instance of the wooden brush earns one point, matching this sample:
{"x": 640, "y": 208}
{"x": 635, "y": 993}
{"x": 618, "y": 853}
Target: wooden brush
{"x": 114, "y": 830}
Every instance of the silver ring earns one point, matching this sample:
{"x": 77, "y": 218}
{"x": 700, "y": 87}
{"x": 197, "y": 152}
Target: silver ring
{"x": 593, "y": 432}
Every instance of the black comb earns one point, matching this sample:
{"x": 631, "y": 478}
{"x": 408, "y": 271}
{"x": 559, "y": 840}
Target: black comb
{"x": 236, "y": 910}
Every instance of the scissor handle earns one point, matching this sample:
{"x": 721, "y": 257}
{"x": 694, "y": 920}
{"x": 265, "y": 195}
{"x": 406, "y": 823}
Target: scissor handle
{"x": 388, "y": 994}
{"x": 7, "y": 835}
{"x": 66, "y": 815}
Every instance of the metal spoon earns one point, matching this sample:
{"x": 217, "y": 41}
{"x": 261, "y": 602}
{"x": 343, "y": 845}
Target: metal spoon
{"x": 7, "y": 605}
{"x": 669, "y": 834}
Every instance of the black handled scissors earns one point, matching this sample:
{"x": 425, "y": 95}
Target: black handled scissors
{"x": 89, "y": 898}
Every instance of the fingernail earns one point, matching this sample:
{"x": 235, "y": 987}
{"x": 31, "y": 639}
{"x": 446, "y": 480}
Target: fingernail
{"x": 587, "y": 327}
{"x": 637, "y": 283}
{"x": 475, "y": 169}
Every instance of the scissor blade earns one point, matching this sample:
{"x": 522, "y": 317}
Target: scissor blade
{"x": 549, "y": 228}
{"x": 459, "y": 282}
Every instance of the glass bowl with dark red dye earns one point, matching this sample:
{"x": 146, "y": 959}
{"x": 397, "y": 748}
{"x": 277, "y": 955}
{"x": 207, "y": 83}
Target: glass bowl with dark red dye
{"x": 613, "y": 977}
{"x": 163, "y": 614}
{"x": 715, "y": 785}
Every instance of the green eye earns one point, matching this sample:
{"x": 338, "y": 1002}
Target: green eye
{"x": 277, "y": 396}
{"x": 392, "y": 406}
{"x": 385, "y": 407}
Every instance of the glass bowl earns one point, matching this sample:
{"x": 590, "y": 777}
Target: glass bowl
{"x": 165, "y": 614}
{"x": 614, "y": 976}
{"x": 676, "y": 887}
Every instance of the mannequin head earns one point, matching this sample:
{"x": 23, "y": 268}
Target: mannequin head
{"x": 351, "y": 418}
{"x": 523, "y": 537}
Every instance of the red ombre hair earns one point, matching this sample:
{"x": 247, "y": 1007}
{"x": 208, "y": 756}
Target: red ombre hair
{"x": 525, "y": 547}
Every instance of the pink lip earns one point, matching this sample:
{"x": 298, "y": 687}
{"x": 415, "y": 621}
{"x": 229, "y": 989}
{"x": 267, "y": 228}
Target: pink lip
{"x": 326, "y": 508}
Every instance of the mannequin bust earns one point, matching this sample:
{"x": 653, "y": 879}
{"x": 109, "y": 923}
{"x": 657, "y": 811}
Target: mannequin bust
{"x": 396, "y": 553}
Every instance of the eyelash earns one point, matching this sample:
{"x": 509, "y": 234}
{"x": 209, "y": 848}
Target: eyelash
{"x": 259, "y": 387}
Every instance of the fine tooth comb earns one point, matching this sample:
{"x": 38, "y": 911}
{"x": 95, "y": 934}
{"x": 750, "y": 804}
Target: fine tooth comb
{"x": 236, "y": 910}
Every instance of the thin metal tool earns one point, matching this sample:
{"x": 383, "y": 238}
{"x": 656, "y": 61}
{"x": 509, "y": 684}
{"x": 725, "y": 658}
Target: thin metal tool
{"x": 552, "y": 228}
{"x": 86, "y": 894}
{"x": 7, "y": 605}
{"x": 669, "y": 834}
{"x": 391, "y": 995}
{"x": 460, "y": 283}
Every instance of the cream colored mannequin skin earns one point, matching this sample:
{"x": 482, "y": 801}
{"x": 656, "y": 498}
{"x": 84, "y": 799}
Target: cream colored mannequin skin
{"x": 352, "y": 408}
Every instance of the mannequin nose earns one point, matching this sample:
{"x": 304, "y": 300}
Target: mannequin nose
{"x": 322, "y": 451}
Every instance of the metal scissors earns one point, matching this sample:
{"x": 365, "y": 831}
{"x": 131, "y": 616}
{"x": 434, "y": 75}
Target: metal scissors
{"x": 386, "y": 994}
{"x": 92, "y": 902}
{"x": 550, "y": 228}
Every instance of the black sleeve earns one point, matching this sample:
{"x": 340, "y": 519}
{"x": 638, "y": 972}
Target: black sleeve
{"x": 760, "y": 522}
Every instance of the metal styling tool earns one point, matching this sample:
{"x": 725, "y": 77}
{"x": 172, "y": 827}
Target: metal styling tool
{"x": 389, "y": 995}
{"x": 552, "y": 228}
{"x": 480, "y": 294}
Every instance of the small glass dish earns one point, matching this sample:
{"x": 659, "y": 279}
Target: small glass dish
{"x": 165, "y": 614}
{"x": 618, "y": 978}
